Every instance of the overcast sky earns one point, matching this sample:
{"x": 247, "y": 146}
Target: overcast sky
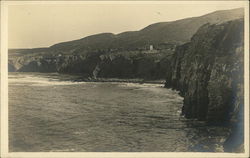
{"x": 42, "y": 25}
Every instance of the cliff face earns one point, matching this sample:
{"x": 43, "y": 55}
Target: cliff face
{"x": 208, "y": 72}
{"x": 127, "y": 64}
{"x": 132, "y": 64}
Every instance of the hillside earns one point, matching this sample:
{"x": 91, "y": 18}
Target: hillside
{"x": 175, "y": 32}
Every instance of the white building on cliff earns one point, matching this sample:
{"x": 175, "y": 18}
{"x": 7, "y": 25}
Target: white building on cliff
{"x": 151, "y": 47}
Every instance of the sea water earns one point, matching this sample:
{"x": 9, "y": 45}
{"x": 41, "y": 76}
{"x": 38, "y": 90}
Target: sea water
{"x": 49, "y": 112}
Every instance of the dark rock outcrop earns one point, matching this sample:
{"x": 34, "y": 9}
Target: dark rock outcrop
{"x": 208, "y": 72}
{"x": 11, "y": 68}
{"x": 132, "y": 64}
{"x": 126, "y": 64}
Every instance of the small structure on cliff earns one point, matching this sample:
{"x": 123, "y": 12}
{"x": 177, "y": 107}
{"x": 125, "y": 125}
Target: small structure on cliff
{"x": 151, "y": 47}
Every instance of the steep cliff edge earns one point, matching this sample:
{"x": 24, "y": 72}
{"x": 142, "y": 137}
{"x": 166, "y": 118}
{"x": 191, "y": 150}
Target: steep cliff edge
{"x": 124, "y": 64}
{"x": 208, "y": 72}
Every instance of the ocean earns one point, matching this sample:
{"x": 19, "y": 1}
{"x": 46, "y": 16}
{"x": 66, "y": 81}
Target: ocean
{"x": 50, "y": 112}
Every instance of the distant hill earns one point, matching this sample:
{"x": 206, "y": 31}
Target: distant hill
{"x": 176, "y": 32}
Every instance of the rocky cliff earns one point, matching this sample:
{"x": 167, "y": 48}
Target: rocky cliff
{"x": 126, "y": 64}
{"x": 208, "y": 72}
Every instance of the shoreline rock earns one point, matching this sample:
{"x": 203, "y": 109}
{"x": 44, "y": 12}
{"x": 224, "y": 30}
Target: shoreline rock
{"x": 208, "y": 72}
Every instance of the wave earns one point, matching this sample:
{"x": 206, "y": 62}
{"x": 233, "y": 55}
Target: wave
{"x": 39, "y": 81}
{"x": 144, "y": 85}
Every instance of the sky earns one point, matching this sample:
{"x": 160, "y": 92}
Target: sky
{"x": 42, "y": 25}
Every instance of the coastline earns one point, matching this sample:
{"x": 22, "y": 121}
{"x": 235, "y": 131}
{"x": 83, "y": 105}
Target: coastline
{"x": 83, "y": 78}
{"x": 136, "y": 80}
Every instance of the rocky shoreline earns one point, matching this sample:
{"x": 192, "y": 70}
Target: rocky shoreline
{"x": 208, "y": 72}
{"x": 140, "y": 81}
